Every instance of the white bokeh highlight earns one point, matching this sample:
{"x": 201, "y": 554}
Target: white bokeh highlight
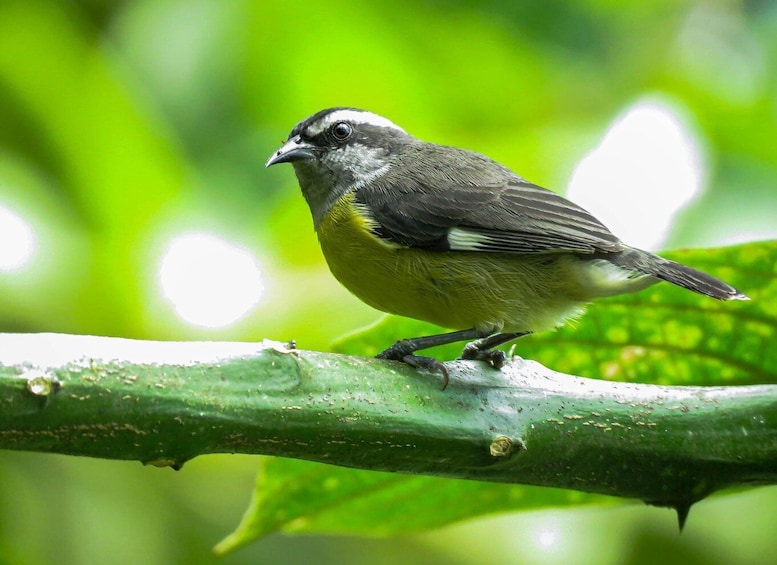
{"x": 18, "y": 243}
{"x": 646, "y": 168}
{"x": 547, "y": 538}
{"x": 209, "y": 281}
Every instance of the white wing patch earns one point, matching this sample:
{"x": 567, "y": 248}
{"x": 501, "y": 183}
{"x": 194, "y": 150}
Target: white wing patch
{"x": 355, "y": 117}
{"x": 464, "y": 240}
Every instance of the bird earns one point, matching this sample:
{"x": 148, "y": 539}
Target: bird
{"x": 451, "y": 237}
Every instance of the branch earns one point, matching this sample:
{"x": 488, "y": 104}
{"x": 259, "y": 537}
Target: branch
{"x": 165, "y": 403}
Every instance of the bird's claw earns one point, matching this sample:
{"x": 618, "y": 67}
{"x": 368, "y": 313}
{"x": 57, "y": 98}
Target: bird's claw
{"x": 430, "y": 364}
{"x": 494, "y": 357}
{"x": 402, "y": 351}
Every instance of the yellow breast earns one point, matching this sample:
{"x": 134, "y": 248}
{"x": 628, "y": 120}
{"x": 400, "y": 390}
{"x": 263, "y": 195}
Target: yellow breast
{"x": 456, "y": 289}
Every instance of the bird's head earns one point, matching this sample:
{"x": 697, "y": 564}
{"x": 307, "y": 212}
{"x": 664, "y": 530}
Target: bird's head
{"x": 337, "y": 150}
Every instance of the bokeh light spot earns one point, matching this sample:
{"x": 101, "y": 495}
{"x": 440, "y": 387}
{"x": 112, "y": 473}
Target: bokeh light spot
{"x": 209, "y": 281}
{"x": 547, "y": 538}
{"x": 17, "y": 241}
{"x": 646, "y": 168}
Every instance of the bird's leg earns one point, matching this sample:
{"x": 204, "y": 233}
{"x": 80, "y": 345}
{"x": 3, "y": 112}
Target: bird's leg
{"x": 482, "y": 349}
{"x": 407, "y": 346}
{"x": 404, "y": 350}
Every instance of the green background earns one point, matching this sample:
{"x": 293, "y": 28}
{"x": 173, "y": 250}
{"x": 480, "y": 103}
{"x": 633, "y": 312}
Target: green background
{"x": 124, "y": 123}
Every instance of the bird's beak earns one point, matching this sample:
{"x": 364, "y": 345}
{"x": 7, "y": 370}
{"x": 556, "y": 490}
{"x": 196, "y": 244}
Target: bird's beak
{"x": 293, "y": 150}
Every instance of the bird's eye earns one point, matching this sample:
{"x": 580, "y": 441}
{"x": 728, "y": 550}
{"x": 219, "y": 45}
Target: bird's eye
{"x": 342, "y": 130}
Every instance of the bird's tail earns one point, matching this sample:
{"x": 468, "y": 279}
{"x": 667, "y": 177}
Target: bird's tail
{"x": 676, "y": 273}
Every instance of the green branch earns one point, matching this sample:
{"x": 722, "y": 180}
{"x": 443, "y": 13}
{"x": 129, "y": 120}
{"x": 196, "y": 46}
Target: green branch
{"x": 165, "y": 403}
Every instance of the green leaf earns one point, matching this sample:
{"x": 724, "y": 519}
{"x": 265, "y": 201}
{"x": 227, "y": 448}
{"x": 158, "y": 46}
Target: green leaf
{"x": 661, "y": 331}
{"x": 304, "y": 497}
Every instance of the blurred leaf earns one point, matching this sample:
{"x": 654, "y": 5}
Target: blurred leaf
{"x": 114, "y": 156}
{"x": 59, "y": 248}
{"x": 111, "y": 157}
{"x": 300, "y": 496}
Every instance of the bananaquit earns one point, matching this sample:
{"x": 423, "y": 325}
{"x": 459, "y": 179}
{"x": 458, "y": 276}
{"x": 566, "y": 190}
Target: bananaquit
{"x": 451, "y": 237}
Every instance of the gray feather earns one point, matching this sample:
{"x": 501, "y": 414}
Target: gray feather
{"x": 431, "y": 189}
{"x": 675, "y": 273}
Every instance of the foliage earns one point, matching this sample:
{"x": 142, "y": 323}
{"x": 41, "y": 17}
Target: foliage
{"x": 122, "y": 123}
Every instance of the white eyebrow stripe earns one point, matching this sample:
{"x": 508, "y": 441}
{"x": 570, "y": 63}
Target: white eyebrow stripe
{"x": 356, "y": 117}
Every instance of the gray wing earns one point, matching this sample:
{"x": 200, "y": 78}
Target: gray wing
{"x": 467, "y": 202}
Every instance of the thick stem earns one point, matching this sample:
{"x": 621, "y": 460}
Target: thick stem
{"x": 164, "y": 403}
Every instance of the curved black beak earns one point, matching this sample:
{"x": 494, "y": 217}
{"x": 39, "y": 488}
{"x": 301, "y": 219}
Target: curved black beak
{"x": 293, "y": 150}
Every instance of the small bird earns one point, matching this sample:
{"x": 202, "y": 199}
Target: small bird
{"x": 451, "y": 237}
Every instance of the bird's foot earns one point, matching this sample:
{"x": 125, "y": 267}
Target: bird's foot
{"x": 494, "y": 357}
{"x": 403, "y": 351}
{"x": 430, "y": 364}
{"x": 396, "y": 352}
